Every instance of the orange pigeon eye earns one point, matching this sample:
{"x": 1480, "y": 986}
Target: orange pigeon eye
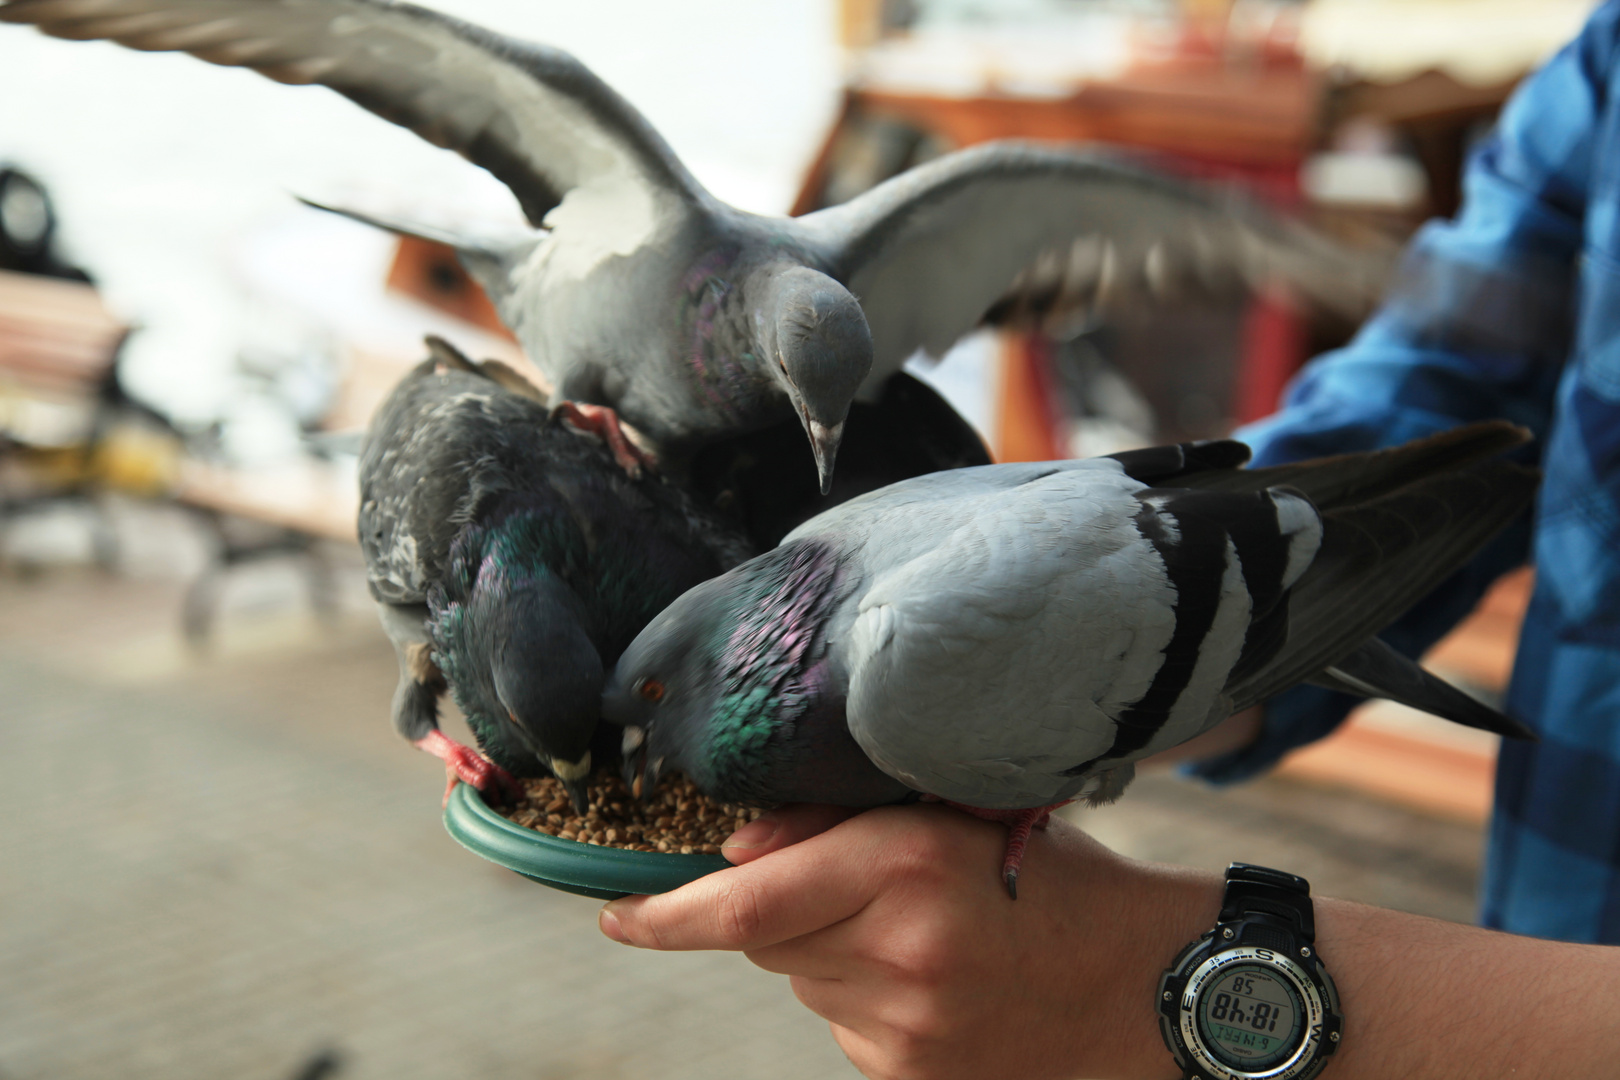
{"x": 652, "y": 690}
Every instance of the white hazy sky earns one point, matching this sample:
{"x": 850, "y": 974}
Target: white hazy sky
{"x": 163, "y": 166}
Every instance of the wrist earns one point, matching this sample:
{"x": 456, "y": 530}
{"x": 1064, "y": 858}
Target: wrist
{"x": 1251, "y": 998}
{"x": 1160, "y": 910}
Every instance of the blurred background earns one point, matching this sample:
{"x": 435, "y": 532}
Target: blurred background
{"x": 220, "y": 859}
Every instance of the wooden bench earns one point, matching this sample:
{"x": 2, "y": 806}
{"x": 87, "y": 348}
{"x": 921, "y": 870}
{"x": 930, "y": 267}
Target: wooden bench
{"x": 59, "y": 397}
{"x": 295, "y": 508}
{"x": 59, "y": 349}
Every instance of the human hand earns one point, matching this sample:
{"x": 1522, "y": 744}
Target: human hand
{"x": 894, "y": 926}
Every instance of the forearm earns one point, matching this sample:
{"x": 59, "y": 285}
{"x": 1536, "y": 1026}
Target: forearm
{"x": 1421, "y": 998}
{"x": 1424, "y": 998}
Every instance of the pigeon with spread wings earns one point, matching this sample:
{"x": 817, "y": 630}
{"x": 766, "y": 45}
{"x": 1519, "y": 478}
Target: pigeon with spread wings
{"x": 637, "y": 290}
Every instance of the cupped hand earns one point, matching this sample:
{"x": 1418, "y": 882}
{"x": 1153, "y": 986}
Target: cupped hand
{"x": 894, "y": 926}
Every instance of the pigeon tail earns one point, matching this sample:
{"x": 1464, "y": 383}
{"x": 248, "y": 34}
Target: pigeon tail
{"x": 1378, "y": 555}
{"x": 1376, "y": 670}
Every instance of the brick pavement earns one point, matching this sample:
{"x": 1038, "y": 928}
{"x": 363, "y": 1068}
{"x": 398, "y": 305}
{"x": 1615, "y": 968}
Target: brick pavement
{"x": 216, "y": 868}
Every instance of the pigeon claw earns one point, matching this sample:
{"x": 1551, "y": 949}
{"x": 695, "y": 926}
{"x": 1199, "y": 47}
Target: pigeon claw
{"x": 603, "y": 421}
{"x": 1020, "y": 823}
{"x": 463, "y": 764}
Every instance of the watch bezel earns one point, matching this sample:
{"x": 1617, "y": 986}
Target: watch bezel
{"x": 1302, "y": 1061}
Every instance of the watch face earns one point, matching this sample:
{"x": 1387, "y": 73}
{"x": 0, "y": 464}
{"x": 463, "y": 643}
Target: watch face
{"x": 1250, "y": 1017}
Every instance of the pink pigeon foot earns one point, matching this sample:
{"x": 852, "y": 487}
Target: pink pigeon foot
{"x": 1019, "y": 825}
{"x": 603, "y": 421}
{"x": 464, "y": 764}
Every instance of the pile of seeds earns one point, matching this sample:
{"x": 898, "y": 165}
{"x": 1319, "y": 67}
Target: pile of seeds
{"x": 678, "y": 819}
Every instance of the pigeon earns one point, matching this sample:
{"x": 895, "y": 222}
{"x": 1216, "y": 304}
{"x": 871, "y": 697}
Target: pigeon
{"x": 512, "y": 560}
{"x": 1011, "y": 637}
{"x": 633, "y": 289}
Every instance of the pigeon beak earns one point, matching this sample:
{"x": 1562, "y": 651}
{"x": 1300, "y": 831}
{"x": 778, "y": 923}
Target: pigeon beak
{"x": 573, "y": 775}
{"x": 641, "y": 775}
{"x": 824, "y": 442}
{"x": 633, "y": 748}
{"x": 632, "y": 740}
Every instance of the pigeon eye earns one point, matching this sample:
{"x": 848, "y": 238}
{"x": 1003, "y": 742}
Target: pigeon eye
{"x": 651, "y": 690}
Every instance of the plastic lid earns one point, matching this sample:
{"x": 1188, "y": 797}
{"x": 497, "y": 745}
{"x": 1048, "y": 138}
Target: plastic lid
{"x": 603, "y": 872}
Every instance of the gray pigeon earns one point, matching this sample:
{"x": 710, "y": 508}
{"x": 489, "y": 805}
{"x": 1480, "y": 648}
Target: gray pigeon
{"x": 512, "y": 560}
{"x": 1010, "y": 637}
{"x": 637, "y": 290}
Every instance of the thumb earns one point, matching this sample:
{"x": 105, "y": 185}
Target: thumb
{"x": 781, "y": 827}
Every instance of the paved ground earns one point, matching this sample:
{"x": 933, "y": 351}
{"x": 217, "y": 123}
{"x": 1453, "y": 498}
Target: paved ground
{"x": 219, "y": 867}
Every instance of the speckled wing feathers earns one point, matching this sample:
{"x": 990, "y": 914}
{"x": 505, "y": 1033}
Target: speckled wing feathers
{"x": 444, "y": 443}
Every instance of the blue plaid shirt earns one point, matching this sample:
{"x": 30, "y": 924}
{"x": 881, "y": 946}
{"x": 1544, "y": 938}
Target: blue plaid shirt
{"x": 1512, "y": 310}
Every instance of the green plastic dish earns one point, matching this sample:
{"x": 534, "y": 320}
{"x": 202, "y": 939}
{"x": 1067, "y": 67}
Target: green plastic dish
{"x": 603, "y": 872}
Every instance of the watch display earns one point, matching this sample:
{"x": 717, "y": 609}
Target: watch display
{"x": 1251, "y": 1018}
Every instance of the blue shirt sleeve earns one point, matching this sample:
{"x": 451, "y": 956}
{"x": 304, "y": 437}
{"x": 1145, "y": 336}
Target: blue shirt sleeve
{"x": 1478, "y": 326}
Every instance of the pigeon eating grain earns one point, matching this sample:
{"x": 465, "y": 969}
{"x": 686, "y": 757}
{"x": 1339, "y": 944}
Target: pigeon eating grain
{"x": 513, "y": 559}
{"x": 1011, "y": 637}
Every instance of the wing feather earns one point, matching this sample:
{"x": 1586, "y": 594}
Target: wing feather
{"x": 1377, "y": 558}
{"x": 931, "y": 252}
{"x": 534, "y": 116}
{"x": 999, "y": 632}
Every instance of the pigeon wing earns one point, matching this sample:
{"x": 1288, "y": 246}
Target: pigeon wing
{"x": 1338, "y": 480}
{"x": 1397, "y": 521}
{"x": 1074, "y": 619}
{"x": 430, "y": 449}
{"x": 1379, "y": 557}
{"x": 1010, "y": 227}
{"x": 534, "y": 116}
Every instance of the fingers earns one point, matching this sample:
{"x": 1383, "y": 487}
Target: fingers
{"x": 794, "y": 891}
{"x": 803, "y": 887}
{"x": 857, "y": 1021}
{"x": 833, "y": 952}
{"x": 780, "y": 828}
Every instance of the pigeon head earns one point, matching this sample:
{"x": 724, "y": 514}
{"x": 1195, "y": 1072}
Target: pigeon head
{"x": 821, "y": 348}
{"x": 665, "y": 691}
{"x": 512, "y": 644}
{"x": 718, "y": 684}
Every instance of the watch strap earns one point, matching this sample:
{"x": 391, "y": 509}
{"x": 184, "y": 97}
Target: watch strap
{"x": 1270, "y": 894}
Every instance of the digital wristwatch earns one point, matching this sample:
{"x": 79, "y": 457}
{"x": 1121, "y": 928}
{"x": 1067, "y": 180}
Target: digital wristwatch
{"x": 1250, "y": 1000}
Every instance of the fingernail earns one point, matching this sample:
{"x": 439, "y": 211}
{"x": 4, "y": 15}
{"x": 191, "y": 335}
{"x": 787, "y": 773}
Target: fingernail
{"x": 609, "y": 923}
{"x": 756, "y": 833}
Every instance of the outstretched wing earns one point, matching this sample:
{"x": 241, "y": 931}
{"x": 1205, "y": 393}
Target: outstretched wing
{"x": 1014, "y": 231}
{"x": 534, "y": 116}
